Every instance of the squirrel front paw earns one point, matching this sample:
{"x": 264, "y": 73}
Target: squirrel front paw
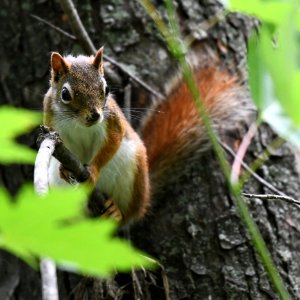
{"x": 112, "y": 211}
{"x": 66, "y": 175}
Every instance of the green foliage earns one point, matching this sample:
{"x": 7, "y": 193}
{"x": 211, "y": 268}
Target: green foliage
{"x": 284, "y": 72}
{"x": 274, "y": 12}
{"x": 256, "y": 74}
{"x": 177, "y": 48}
{"x": 274, "y": 73}
{"x": 13, "y": 122}
{"x": 275, "y": 56}
{"x": 53, "y": 226}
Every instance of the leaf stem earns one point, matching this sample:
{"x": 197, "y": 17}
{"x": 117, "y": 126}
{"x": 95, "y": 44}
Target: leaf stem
{"x": 178, "y": 49}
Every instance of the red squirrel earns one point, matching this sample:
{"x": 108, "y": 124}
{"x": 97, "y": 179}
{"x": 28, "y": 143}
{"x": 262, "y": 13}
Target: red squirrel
{"x": 92, "y": 126}
{"x": 79, "y": 107}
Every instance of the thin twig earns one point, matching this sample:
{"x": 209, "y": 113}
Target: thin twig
{"x": 69, "y": 161}
{"x": 240, "y": 154}
{"x": 88, "y": 46}
{"x": 109, "y": 72}
{"x": 137, "y": 289}
{"x": 136, "y": 79}
{"x": 77, "y": 26}
{"x": 252, "y": 173}
{"x": 164, "y": 276}
{"x": 63, "y": 32}
{"x": 271, "y": 197}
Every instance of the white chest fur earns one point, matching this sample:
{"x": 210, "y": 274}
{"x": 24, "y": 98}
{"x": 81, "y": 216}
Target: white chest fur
{"x": 117, "y": 177}
{"x": 84, "y": 142}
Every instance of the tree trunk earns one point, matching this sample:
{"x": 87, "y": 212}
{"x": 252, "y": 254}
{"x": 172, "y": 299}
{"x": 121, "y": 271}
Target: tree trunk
{"x": 193, "y": 229}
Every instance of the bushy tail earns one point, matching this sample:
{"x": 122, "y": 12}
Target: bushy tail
{"x": 174, "y": 134}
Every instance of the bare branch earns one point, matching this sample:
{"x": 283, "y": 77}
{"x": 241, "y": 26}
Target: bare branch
{"x": 51, "y": 145}
{"x": 109, "y": 72}
{"x": 49, "y": 279}
{"x": 77, "y": 26}
{"x": 41, "y": 166}
{"x": 47, "y": 266}
{"x": 272, "y": 197}
{"x": 80, "y": 172}
{"x": 70, "y": 36}
{"x": 137, "y": 289}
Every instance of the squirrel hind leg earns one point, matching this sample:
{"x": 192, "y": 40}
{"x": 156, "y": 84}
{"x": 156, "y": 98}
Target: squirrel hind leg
{"x": 95, "y": 204}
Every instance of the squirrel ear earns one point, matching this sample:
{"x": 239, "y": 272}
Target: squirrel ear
{"x": 59, "y": 65}
{"x": 98, "y": 61}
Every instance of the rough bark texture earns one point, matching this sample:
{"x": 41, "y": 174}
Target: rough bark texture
{"x": 193, "y": 228}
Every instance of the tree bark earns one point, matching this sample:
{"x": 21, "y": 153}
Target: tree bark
{"x": 193, "y": 228}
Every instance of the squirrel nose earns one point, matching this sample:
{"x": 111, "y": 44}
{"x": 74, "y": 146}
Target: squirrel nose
{"x": 94, "y": 116}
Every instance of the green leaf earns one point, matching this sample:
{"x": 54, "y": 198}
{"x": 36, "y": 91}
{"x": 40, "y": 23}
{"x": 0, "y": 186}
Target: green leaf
{"x": 88, "y": 247}
{"x": 13, "y": 122}
{"x": 282, "y": 65}
{"x": 274, "y": 12}
{"x": 53, "y": 226}
{"x": 256, "y": 72}
{"x": 5, "y": 207}
{"x": 274, "y": 76}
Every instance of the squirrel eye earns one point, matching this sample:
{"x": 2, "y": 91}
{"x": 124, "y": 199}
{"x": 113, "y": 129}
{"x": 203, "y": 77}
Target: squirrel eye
{"x": 65, "y": 96}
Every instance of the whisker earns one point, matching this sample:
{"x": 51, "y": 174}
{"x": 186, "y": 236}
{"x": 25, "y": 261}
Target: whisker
{"x": 137, "y": 109}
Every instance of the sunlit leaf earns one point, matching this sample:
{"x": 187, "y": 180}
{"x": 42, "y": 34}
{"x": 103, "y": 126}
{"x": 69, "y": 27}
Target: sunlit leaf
{"x": 13, "y": 122}
{"x": 53, "y": 226}
{"x": 281, "y": 61}
{"x": 256, "y": 72}
{"x": 274, "y": 12}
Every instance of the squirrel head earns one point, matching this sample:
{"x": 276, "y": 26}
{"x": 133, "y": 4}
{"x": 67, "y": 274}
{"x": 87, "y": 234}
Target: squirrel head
{"x": 79, "y": 90}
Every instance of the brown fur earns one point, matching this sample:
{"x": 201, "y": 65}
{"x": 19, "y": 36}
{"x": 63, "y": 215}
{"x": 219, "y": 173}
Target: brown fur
{"x": 87, "y": 93}
{"x": 115, "y": 133}
{"x": 141, "y": 189}
{"x": 178, "y": 114}
{"x": 174, "y": 132}
{"x": 171, "y": 134}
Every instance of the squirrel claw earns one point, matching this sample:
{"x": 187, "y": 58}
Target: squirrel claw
{"x": 112, "y": 211}
{"x": 66, "y": 175}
